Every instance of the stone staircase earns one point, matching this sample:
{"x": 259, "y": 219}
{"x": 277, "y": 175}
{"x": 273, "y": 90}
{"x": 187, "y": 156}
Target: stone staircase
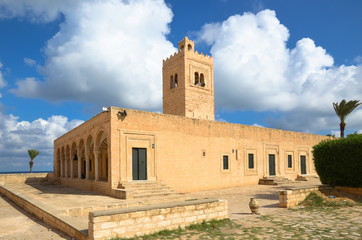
{"x": 151, "y": 191}
{"x": 306, "y": 178}
{"x": 274, "y": 180}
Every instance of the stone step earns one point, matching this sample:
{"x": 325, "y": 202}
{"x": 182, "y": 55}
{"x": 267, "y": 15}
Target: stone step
{"x": 153, "y": 195}
{"x": 306, "y": 177}
{"x": 141, "y": 184}
{"x": 274, "y": 180}
{"x": 144, "y": 190}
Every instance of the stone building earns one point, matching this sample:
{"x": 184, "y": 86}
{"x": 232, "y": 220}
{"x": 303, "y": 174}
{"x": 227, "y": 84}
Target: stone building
{"x": 184, "y": 148}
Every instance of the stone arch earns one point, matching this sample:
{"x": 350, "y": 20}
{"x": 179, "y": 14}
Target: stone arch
{"x": 74, "y": 160}
{"x": 82, "y": 159}
{"x": 197, "y": 82}
{"x": 103, "y": 155}
{"x": 189, "y": 47}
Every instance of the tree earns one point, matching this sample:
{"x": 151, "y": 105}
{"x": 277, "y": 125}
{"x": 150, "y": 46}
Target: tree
{"x": 343, "y": 109}
{"x": 32, "y": 154}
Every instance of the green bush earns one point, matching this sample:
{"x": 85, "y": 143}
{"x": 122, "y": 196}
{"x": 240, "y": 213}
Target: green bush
{"x": 338, "y": 162}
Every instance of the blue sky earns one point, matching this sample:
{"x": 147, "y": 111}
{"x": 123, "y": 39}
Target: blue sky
{"x": 277, "y": 63}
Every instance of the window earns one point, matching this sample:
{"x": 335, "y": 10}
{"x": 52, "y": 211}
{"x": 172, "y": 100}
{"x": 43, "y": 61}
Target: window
{"x": 202, "y": 80}
{"x": 189, "y": 47}
{"x": 197, "y": 79}
{"x": 171, "y": 82}
{"x": 225, "y": 162}
{"x": 251, "y": 160}
{"x": 290, "y": 161}
{"x": 176, "y": 81}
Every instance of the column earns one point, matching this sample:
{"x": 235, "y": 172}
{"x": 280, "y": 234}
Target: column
{"x": 61, "y": 165}
{"x": 96, "y": 165}
{"x": 79, "y": 154}
{"x": 65, "y": 165}
{"x": 87, "y": 165}
{"x": 71, "y": 156}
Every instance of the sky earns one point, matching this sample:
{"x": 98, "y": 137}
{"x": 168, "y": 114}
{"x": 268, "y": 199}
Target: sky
{"x": 277, "y": 63}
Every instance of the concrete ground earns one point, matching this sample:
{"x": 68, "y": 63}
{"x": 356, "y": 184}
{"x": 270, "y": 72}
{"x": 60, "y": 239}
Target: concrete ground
{"x": 17, "y": 224}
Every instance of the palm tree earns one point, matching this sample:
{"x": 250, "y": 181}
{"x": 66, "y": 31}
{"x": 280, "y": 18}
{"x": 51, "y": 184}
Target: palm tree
{"x": 343, "y": 109}
{"x": 32, "y": 154}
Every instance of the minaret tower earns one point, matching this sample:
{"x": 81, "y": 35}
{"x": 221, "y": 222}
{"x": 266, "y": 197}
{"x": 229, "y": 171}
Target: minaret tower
{"x": 188, "y": 83}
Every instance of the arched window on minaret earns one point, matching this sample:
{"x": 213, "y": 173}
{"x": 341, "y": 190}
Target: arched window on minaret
{"x": 176, "y": 81}
{"x": 197, "y": 83}
{"x": 202, "y": 80}
{"x": 189, "y": 47}
{"x": 171, "y": 82}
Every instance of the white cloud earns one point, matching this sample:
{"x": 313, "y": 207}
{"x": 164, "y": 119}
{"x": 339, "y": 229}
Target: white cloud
{"x": 107, "y": 53}
{"x": 2, "y": 80}
{"x": 257, "y": 125}
{"x": 36, "y": 10}
{"x": 29, "y": 61}
{"x": 358, "y": 59}
{"x": 16, "y": 137}
{"x": 254, "y": 70}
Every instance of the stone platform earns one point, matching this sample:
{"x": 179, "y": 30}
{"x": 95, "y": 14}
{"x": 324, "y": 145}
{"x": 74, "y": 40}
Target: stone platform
{"x": 72, "y": 206}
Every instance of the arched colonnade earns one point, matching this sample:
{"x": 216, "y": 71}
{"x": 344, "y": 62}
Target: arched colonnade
{"x": 85, "y": 157}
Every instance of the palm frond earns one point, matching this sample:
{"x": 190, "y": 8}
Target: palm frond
{"x": 343, "y": 109}
{"x": 33, "y": 153}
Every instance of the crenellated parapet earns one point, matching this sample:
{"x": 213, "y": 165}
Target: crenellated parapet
{"x": 187, "y": 47}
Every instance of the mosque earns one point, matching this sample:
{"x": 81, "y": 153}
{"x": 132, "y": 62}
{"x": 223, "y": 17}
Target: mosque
{"x": 183, "y": 148}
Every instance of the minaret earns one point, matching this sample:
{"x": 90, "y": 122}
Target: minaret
{"x": 188, "y": 83}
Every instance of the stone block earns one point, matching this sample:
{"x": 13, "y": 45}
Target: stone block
{"x": 148, "y": 226}
{"x": 108, "y": 225}
{"x": 102, "y": 234}
{"x": 165, "y": 210}
{"x": 172, "y": 215}
{"x": 177, "y": 221}
{"x": 153, "y": 212}
{"x": 164, "y": 223}
{"x": 119, "y": 230}
{"x": 120, "y": 217}
{"x": 137, "y": 214}
{"x": 223, "y": 213}
{"x": 190, "y": 219}
{"x": 143, "y": 220}
{"x": 127, "y": 222}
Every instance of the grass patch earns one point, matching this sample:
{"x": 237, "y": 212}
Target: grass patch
{"x": 314, "y": 200}
{"x": 210, "y": 228}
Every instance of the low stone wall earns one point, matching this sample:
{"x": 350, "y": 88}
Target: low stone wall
{"x": 292, "y": 197}
{"x": 22, "y": 177}
{"x": 101, "y": 187}
{"x": 350, "y": 190}
{"x": 138, "y": 221}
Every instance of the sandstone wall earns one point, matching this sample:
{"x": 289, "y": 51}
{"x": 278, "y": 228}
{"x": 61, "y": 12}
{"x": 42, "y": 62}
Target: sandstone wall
{"x": 187, "y": 154}
{"x": 130, "y": 222}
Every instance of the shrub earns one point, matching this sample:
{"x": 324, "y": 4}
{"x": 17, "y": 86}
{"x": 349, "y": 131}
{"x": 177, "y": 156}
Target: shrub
{"x": 338, "y": 162}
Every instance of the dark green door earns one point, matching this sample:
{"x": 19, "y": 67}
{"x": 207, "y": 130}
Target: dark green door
{"x": 271, "y": 164}
{"x": 139, "y": 163}
{"x": 303, "y": 167}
